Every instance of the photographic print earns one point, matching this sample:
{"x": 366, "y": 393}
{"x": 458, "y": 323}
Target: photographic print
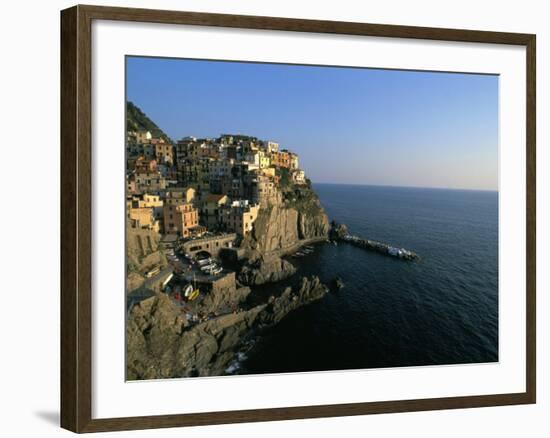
{"x": 295, "y": 218}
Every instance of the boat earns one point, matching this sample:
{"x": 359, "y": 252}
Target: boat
{"x": 153, "y": 272}
{"x": 187, "y": 290}
{"x": 166, "y": 281}
{"x": 191, "y": 290}
{"x": 209, "y": 267}
{"x": 193, "y": 295}
{"x": 204, "y": 262}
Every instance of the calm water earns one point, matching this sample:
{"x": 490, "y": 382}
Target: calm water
{"x": 442, "y": 309}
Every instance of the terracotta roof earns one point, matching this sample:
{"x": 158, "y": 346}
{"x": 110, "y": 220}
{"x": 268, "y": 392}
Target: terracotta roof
{"x": 214, "y": 198}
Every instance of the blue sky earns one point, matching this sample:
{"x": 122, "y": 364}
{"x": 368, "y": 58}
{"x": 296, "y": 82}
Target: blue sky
{"x": 349, "y": 125}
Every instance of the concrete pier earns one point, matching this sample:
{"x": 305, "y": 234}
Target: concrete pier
{"x": 382, "y": 248}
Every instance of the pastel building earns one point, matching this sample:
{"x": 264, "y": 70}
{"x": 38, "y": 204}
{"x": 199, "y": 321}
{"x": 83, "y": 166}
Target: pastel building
{"x": 212, "y": 209}
{"x": 299, "y": 176}
{"x": 164, "y": 152}
{"x": 180, "y": 219}
{"x": 239, "y": 216}
{"x": 149, "y": 182}
{"x": 142, "y": 218}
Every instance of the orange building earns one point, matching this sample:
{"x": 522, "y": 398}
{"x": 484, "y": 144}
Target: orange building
{"x": 144, "y": 165}
{"x": 180, "y": 219}
{"x": 280, "y": 159}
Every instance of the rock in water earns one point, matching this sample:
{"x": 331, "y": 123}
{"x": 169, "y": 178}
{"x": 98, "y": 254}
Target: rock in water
{"x": 309, "y": 290}
{"x": 337, "y": 283}
{"x": 337, "y": 231}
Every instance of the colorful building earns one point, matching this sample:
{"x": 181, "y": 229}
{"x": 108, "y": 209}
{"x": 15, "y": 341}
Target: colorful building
{"x": 239, "y": 217}
{"x": 141, "y": 217}
{"x": 180, "y": 219}
{"x": 211, "y": 211}
{"x": 164, "y": 152}
{"x": 149, "y": 182}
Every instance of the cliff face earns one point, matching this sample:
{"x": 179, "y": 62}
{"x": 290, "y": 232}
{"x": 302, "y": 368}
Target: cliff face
{"x": 162, "y": 344}
{"x": 142, "y": 254}
{"x": 293, "y": 216}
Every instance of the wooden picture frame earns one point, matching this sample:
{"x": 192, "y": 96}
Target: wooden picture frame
{"x": 76, "y": 218}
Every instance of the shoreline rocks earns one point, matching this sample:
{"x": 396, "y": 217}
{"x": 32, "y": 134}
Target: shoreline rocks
{"x": 337, "y": 231}
{"x": 162, "y": 344}
{"x": 307, "y": 291}
{"x": 266, "y": 269}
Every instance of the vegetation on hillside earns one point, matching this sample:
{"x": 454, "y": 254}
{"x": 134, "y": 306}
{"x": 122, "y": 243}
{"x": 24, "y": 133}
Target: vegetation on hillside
{"x": 137, "y": 120}
{"x": 301, "y": 197}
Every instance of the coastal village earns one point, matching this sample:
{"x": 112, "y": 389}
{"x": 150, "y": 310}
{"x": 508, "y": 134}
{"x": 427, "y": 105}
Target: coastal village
{"x": 198, "y": 187}
{"x": 208, "y": 220}
{"x": 200, "y": 196}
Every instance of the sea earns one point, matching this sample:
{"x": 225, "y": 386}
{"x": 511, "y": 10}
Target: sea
{"x": 439, "y": 310}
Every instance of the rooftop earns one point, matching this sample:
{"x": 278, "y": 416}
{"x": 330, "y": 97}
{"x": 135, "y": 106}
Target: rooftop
{"x": 214, "y": 198}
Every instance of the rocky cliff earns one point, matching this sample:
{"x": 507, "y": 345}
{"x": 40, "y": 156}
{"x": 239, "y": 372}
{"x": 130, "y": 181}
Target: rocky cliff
{"x": 266, "y": 269}
{"x": 161, "y": 343}
{"x": 143, "y": 253}
{"x": 294, "y": 215}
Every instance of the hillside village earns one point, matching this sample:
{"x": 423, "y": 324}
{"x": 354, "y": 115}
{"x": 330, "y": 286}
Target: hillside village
{"x": 208, "y": 219}
{"x": 194, "y": 202}
{"x": 201, "y": 185}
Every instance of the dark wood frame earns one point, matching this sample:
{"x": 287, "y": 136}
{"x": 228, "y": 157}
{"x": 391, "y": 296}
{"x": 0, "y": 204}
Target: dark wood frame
{"x": 76, "y": 244}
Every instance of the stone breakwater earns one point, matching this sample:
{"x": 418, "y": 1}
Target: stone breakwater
{"x": 382, "y": 248}
{"x": 339, "y": 232}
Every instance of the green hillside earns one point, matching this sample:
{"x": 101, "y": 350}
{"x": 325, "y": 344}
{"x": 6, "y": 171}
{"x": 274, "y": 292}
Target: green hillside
{"x": 137, "y": 120}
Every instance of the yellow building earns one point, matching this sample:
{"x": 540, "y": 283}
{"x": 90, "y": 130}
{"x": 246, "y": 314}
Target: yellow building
{"x": 294, "y": 161}
{"x": 177, "y": 196}
{"x": 211, "y": 211}
{"x": 268, "y": 171}
{"x": 271, "y": 146}
{"x": 299, "y": 176}
{"x": 265, "y": 160}
{"x": 143, "y": 136}
{"x": 146, "y": 201}
{"x": 142, "y": 218}
{"x": 239, "y": 217}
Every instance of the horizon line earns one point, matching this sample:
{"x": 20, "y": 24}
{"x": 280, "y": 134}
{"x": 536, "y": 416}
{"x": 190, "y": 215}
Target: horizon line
{"x": 404, "y": 187}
